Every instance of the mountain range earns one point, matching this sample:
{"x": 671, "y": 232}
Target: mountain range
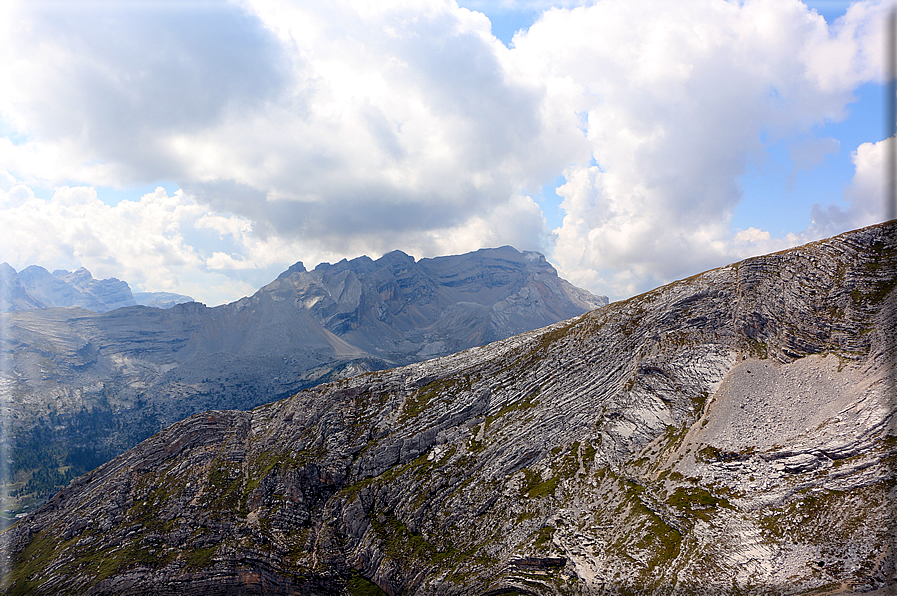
{"x": 35, "y": 287}
{"x": 729, "y": 433}
{"x": 84, "y": 386}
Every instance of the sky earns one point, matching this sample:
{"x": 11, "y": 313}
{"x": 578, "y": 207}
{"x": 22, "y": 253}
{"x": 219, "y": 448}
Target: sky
{"x": 203, "y": 146}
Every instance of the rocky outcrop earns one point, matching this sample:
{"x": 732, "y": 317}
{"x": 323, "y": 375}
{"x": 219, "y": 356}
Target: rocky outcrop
{"x": 85, "y": 386}
{"x": 160, "y": 299}
{"x": 35, "y": 287}
{"x": 13, "y": 295}
{"x": 730, "y": 433}
{"x": 99, "y": 295}
{"x": 405, "y": 310}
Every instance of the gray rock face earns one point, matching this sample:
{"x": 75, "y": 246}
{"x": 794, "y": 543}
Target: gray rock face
{"x": 108, "y": 294}
{"x": 35, "y": 287}
{"x": 726, "y": 434}
{"x": 404, "y": 310}
{"x": 160, "y": 299}
{"x": 93, "y": 384}
{"x": 13, "y": 295}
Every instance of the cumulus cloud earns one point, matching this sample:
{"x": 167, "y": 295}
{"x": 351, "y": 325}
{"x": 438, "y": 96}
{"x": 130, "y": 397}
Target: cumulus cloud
{"x": 314, "y": 120}
{"x": 152, "y": 243}
{"x": 317, "y": 130}
{"x": 115, "y": 82}
{"x": 412, "y": 101}
{"x": 865, "y": 197}
{"x": 675, "y": 98}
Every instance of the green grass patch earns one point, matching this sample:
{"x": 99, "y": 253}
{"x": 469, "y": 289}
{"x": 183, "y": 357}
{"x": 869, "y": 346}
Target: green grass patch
{"x": 200, "y": 557}
{"x": 772, "y": 524}
{"x": 708, "y": 454}
{"x": 698, "y": 402}
{"x": 224, "y": 489}
{"x": 696, "y": 502}
{"x": 547, "y": 339}
{"x": 662, "y": 541}
{"x": 351, "y": 491}
{"x": 420, "y": 400}
{"x": 68, "y": 559}
{"x": 588, "y": 456}
{"x": 359, "y": 586}
{"x": 757, "y": 349}
{"x": 543, "y": 536}
{"x": 30, "y": 562}
{"x": 874, "y": 296}
{"x": 261, "y": 467}
{"x": 399, "y": 543}
{"x": 474, "y": 446}
{"x": 534, "y": 487}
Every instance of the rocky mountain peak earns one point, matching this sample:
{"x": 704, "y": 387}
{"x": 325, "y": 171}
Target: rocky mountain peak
{"x": 396, "y": 256}
{"x": 117, "y": 377}
{"x": 80, "y": 278}
{"x": 35, "y": 287}
{"x": 401, "y": 309}
{"x": 297, "y": 267}
{"x": 729, "y": 433}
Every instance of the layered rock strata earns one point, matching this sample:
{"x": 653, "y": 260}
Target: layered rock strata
{"x": 730, "y": 433}
{"x": 82, "y": 386}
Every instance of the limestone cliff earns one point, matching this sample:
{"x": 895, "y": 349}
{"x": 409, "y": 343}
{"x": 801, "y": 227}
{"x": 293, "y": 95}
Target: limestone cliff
{"x": 84, "y": 386}
{"x": 35, "y": 287}
{"x": 730, "y": 433}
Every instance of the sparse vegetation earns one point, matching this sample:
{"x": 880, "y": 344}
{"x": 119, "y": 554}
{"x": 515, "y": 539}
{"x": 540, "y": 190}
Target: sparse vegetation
{"x": 534, "y": 487}
{"x": 708, "y": 453}
{"x": 696, "y": 502}
{"x": 757, "y": 349}
{"x": 418, "y": 401}
{"x": 200, "y": 557}
{"x": 543, "y": 537}
{"x": 359, "y": 586}
{"x": 523, "y": 404}
{"x": 468, "y": 480}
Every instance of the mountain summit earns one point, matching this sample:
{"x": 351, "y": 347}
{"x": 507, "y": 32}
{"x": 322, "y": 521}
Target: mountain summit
{"x": 86, "y": 386}
{"x": 729, "y": 433}
{"x": 404, "y": 310}
{"x": 35, "y": 287}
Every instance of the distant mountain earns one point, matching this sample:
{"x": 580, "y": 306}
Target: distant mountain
{"x": 727, "y": 434}
{"x": 85, "y": 386}
{"x": 160, "y": 299}
{"x": 35, "y": 287}
{"x": 404, "y": 310}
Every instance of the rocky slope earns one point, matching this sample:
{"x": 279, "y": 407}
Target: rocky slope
{"x": 85, "y": 386}
{"x": 730, "y": 433}
{"x": 35, "y": 287}
{"x": 160, "y": 299}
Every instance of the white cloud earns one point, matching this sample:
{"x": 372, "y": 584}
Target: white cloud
{"x": 865, "y": 197}
{"x": 515, "y": 223}
{"x": 752, "y": 236}
{"x": 110, "y": 83}
{"x": 7, "y": 181}
{"x": 143, "y": 242}
{"x": 317, "y": 131}
{"x": 676, "y": 98}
